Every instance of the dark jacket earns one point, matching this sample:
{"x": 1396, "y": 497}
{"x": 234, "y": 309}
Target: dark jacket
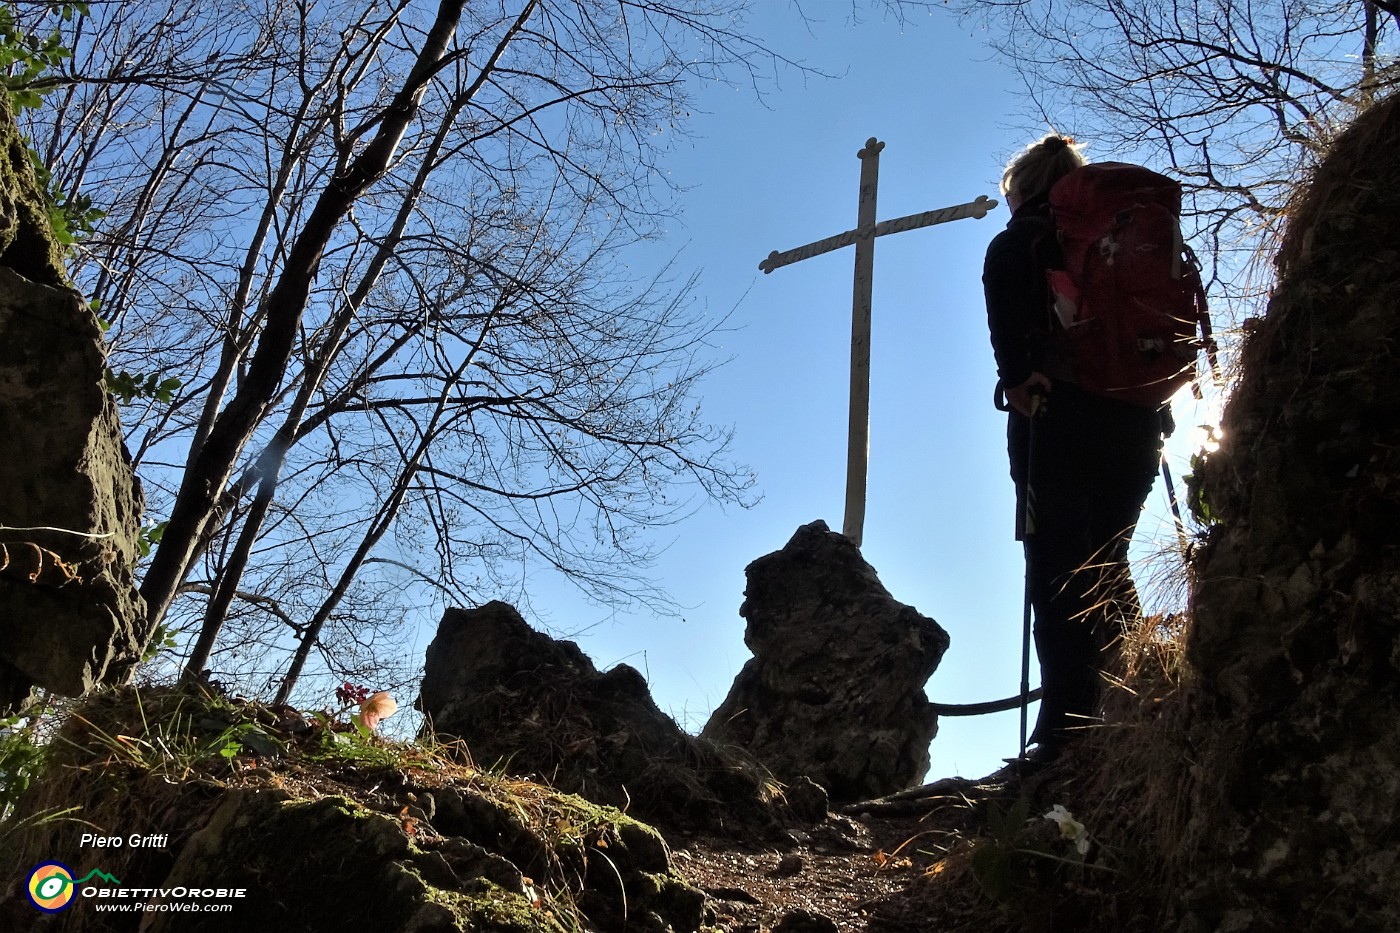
{"x": 1018, "y": 298}
{"x": 1082, "y": 426}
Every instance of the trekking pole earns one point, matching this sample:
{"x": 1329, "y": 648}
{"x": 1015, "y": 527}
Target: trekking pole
{"x": 1028, "y": 529}
{"x": 1176, "y": 508}
{"x": 1025, "y": 654}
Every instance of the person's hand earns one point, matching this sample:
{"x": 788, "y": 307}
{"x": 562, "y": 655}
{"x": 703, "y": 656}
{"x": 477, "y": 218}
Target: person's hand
{"x": 1019, "y": 398}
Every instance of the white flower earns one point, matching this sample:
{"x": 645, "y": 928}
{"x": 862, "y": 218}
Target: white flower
{"x": 1070, "y": 828}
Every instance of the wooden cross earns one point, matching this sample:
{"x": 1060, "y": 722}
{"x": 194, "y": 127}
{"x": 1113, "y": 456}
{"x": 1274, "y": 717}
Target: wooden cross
{"x": 863, "y": 236}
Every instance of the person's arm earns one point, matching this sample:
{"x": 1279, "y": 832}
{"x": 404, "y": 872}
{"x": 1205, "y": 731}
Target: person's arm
{"x": 1020, "y": 397}
{"x": 1014, "y": 285}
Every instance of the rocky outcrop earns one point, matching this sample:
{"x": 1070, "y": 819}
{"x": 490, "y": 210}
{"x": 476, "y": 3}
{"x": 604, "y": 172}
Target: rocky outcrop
{"x": 318, "y": 833}
{"x": 70, "y": 506}
{"x": 27, "y": 243}
{"x": 521, "y": 700}
{"x": 1296, "y": 640}
{"x": 835, "y": 688}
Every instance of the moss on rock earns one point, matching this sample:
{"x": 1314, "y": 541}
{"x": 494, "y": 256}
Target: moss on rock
{"x": 27, "y": 242}
{"x": 327, "y": 845}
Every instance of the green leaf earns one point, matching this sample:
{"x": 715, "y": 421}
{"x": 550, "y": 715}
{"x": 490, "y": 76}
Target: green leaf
{"x": 993, "y": 869}
{"x": 258, "y": 742}
{"x": 128, "y": 387}
{"x": 162, "y": 639}
{"x": 149, "y": 538}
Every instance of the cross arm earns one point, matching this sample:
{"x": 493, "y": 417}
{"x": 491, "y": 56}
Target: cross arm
{"x": 977, "y": 209}
{"x": 777, "y": 260}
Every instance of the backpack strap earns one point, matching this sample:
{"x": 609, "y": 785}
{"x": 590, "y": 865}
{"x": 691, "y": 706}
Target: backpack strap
{"x": 1203, "y": 320}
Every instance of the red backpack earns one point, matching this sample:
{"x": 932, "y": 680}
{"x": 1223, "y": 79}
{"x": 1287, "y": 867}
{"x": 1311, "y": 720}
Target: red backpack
{"x": 1129, "y": 300}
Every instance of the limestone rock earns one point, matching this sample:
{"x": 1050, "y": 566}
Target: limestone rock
{"x": 372, "y": 875}
{"x": 522, "y": 700}
{"x": 807, "y": 800}
{"x": 802, "y": 920}
{"x": 835, "y": 688}
{"x": 1297, "y": 599}
{"x": 27, "y": 243}
{"x": 325, "y": 845}
{"x": 70, "y": 505}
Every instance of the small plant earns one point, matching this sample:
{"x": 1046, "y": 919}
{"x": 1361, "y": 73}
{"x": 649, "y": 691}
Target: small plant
{"x": 22, "y": 757}
{"x": 128, "y": 388}
{"x": 25, "y": 57}
{"x": 148, "y": 538}
{"x": 1196, "y": 500}
{"x": 71, "y": 215}
{"x": 374, "y": 706}
{"x": 1071, "y": 829}
{"x": 179, "y": 739}
{"x": 162, "y": 639}
{"x": 360, "y": 742}
{"x": 997, "y": 857}
{"x": 1017, "y": 848}
{"x": 348, "y": 695}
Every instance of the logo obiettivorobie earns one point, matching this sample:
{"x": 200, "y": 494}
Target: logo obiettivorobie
{"x": 51, "y": 886}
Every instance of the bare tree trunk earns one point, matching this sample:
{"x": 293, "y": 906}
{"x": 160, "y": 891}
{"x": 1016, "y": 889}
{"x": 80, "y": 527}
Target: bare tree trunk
{"x": 270, "y": 462}
{"x": 214, "y": 462}
{"x": 226, "y": 587}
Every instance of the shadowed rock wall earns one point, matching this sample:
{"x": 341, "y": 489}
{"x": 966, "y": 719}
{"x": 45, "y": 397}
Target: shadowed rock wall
{"x": 1296, "y": 640}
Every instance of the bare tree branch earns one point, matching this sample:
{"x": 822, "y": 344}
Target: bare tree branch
{"x": 379, "y": 245}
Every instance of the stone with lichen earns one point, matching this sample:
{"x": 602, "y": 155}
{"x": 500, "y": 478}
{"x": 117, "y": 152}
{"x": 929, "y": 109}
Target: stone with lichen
{"x": 70, "y": 505}
{"x": 834, "y": 691}
{"x": 537, "y": 705}
{"x": 1296, "y": 737}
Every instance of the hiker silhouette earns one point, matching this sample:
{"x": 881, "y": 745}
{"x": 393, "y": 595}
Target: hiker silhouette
{"x": 1083, "y": 463}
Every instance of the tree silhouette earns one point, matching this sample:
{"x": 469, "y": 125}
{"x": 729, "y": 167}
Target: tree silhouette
{"x": 379, "y": 246}
{"x": 1234, "y": 98}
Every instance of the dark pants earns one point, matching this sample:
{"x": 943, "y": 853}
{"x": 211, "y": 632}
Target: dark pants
{"x": 1092, "y": 462}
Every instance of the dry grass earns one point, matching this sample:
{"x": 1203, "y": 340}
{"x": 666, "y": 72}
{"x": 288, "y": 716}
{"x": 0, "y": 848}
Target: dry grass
{"x": 1127, "y": 779}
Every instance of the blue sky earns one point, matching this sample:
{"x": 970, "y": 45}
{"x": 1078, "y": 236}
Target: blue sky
{"x": 780, "y": 172}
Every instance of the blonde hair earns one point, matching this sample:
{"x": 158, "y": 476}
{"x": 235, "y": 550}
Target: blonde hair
{"x": 1039, "y": 166}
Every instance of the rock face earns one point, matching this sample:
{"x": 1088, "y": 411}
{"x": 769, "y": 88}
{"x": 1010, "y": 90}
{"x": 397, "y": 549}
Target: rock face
{"x": 319, "y": 843}
{"x": 1296, "y": 646}
{"x": 524, "y": 701}
{"x": 27, "y": 243}
{"x": 835, "y": 688}
{"x": 70, "y": 506}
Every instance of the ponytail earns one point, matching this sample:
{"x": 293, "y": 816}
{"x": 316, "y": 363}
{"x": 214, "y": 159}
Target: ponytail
{"x": 1041, "y": 165}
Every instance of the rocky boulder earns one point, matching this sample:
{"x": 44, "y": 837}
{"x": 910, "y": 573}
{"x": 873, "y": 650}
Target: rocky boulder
{"x": 523, "y": 701}
{"x": 835, "y": 688}
{"x": 1296, "y": 645}
{"x": 70, "y": 506}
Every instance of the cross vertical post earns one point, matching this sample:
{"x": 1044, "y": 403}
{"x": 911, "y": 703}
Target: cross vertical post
{"x": 863, "y": 237}
{"x": 858, "y": 428}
